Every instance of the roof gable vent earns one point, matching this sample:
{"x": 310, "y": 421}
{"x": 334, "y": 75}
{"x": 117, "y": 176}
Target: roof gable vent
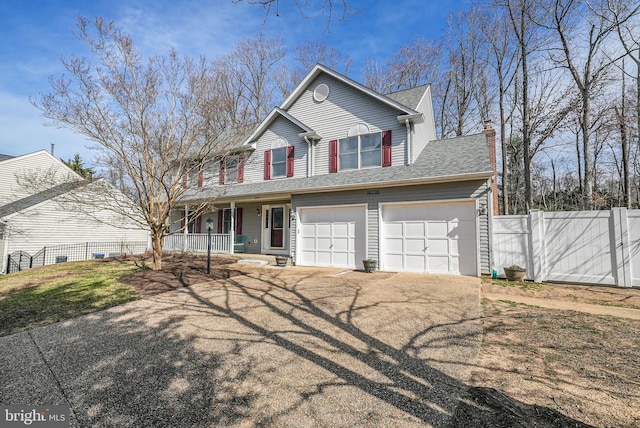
{"x": 321, "y": 92}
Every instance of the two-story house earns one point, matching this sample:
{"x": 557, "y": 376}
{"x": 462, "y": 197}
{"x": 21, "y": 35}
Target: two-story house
{"x": 339, "y": 173}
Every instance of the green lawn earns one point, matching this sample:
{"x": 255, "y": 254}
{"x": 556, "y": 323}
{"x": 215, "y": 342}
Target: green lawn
{"x": 53, "y": 293}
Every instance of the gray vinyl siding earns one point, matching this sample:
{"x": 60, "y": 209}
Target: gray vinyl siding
{"x": 279, "y": 128}
{"x": 426, "y": 131}
{"x": 344, "y": 108}
{"x": 372, "y": 197}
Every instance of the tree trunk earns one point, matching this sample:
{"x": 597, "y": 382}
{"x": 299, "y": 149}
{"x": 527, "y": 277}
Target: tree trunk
{"x": 156, "y": 244}
{"x": 587, "y": 197}
{"x": 503, "y": 143}
{"x": 526, "y": 141}
{"x": 579, "y": 163}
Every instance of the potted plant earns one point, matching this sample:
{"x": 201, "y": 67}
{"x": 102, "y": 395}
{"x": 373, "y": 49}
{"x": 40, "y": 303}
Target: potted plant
{"x": 370, "y": 265}
{"x": 515, "y": 273}
{"x": 281, "y": 261}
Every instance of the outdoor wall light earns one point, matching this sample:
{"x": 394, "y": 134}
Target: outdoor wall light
{"x": 258, "y": 213}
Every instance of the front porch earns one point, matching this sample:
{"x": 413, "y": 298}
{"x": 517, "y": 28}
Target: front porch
{"x": 252, "y": 227}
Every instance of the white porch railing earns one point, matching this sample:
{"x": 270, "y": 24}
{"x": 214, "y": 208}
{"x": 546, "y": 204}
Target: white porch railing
{"x": 197, "y": 242}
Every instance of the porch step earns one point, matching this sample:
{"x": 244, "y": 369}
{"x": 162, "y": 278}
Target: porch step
{"x": 253, "y": 262}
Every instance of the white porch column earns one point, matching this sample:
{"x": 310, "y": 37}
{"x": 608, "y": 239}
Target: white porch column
{"x": 186, "y": 228}
{"x": 621, "y": 260}
{"x": 232, "y": 231}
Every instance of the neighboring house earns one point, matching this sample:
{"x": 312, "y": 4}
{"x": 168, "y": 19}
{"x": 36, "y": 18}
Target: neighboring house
{"x": 36, "y": 210}
{"x": 339, "y": 173}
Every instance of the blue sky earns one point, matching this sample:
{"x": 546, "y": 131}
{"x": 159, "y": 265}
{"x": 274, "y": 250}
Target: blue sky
{"x": 35, "y": 34}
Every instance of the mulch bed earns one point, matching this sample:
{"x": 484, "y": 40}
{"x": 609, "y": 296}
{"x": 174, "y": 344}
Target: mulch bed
{"x": 178, "y": 271}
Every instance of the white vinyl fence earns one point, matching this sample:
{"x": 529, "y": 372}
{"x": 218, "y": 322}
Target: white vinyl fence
{"x": 592, "y": 247}
{"x": 197, "y": 242}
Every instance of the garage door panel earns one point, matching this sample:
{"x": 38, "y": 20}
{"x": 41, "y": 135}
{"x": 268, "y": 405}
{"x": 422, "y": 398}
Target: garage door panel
{"x": 439, "y": 246}
{"x": 415, "y": 263}
{"x": 323, "y": 243}
{"x": 308, "y": 243}
{"x": 437, "y": 229}
{"x": 323, "y": 229}
{"x": 415, "y": 245}
{"x": 340, "y": 235}
{"x": 414, "y": 229}
{"x": 440, "y": 264}
{"x": 437, "y": 237}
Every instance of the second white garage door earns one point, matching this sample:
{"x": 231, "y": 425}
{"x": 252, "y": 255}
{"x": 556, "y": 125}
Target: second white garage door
{"x": 435, "y": 237}
{"x": 332, "y": 236}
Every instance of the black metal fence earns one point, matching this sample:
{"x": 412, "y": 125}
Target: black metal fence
{"x": 21, "y": 260}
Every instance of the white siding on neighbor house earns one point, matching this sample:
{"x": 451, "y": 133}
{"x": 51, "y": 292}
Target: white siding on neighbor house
{"x": 39, "y": 164}
{"x": 344, "y": 108}
{"x": 49, "y": 224}
{"x": 426, "y": 131}
{"x": 374, "y": 196}
{"x": 279, "y": 128}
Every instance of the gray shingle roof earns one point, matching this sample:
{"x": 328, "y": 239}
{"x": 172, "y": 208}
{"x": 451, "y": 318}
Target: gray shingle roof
{"x": 5, "y": 157}
{"x": 445, "y": 160}
{"x": 409, "y": 97}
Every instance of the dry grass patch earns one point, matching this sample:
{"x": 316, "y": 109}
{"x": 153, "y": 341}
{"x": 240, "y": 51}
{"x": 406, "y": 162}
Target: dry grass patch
{"x": 586, "y": 367}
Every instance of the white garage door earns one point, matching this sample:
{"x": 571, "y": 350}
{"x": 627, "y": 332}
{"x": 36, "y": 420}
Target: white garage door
{"x": 332, "y": 236}
{"x": 436, "y": 237}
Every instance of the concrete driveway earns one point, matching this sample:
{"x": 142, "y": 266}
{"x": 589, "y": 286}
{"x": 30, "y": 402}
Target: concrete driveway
{"x": 272, "y": 347}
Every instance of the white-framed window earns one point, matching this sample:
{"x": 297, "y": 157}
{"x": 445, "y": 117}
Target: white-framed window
{"x": 231, "y": 165}
{"x": 360, "y": 151}
{"x": 279, "y": 162}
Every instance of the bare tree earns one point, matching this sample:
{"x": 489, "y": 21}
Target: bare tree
{"x": 313, "y": 52}
{"x": 151, "y": 118}
{"x": 256, "y": 65}
{"x": 503, "y": 59}
{"x": 329, "y": 8}
{"x": 586, "y": 62}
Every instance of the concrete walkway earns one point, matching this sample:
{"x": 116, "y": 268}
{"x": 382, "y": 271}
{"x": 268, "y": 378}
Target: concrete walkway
{"x": 565, "y": 305}
{"x": 273, "y": 347}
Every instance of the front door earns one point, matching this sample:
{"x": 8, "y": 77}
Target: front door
{"x": 277, "y": 227}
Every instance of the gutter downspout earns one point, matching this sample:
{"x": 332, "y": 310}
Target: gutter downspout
{"x": 409, "y": 142}
{"x": 309, "y": 157}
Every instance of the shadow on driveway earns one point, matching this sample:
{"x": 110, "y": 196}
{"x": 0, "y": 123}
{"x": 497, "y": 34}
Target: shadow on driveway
{"x": 292, "y": 347}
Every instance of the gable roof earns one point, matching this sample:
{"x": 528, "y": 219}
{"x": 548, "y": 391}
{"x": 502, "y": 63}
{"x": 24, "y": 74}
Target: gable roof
{"x": 269, "y": 120}
{"x": 319, "y": 69}
{"x": 409, "y": 97}
{"x": 454, "y": 159}
{"x": 5, "y": 157}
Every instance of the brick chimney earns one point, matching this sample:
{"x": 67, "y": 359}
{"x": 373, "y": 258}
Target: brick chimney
{"x": 490, "y": 135}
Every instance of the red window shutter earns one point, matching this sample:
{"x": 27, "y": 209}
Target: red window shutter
{"x": 267, "y": 164}
{"x": 333, "y": 156}
{"x": 238, "y": 221}
{"x": 199, "y": 224}
{"x": 290, "y": 160}
{"x": 221, "y": 175}
{"x": 220, "y": 220}
{"x": 241, "y": 169}
{"x": 200, "y": 177}
{"x": 184, "y": 181}
{"x": 182, "y": 222}
{"x": 386, "y": 148}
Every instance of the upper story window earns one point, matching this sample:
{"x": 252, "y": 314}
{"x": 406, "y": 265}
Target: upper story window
{"x": 279, "y": 160}
{"x": 361, "y": 149}
{"x": 232, "y": 169}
